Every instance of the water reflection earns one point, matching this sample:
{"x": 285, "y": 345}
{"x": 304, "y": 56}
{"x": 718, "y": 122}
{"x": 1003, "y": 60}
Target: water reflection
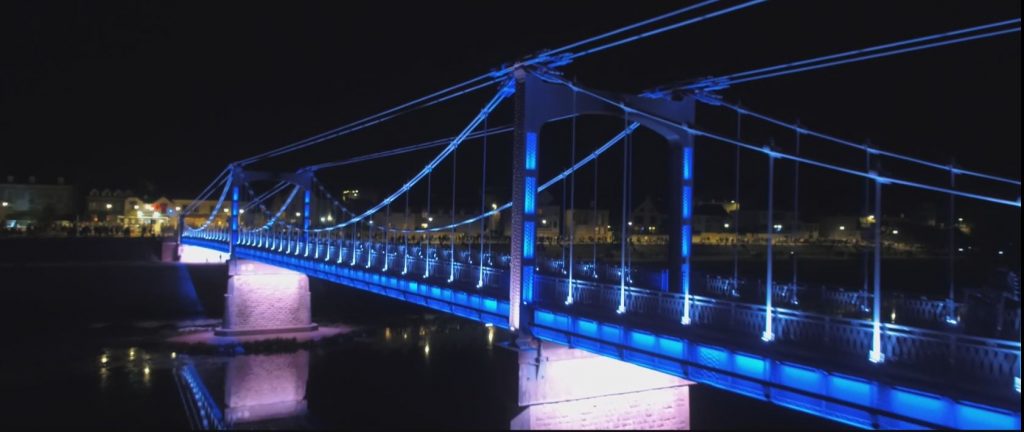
{"x": 132, "y": 363}
{"x": 367, "y": 370}
{"x": 263, "y": 387}
{"x": 257, "y": 388}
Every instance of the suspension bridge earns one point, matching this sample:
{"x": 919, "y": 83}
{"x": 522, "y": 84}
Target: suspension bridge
{"x": 827, "y": 352}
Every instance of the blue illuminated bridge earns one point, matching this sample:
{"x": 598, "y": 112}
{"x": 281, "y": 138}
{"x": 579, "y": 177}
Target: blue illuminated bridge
{"x": 833, "y": 353}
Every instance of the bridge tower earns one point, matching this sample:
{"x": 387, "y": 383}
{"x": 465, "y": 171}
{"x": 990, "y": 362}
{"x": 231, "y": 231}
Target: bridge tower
{"x": 539, "y": 101}
{"x": 264, "y": 299}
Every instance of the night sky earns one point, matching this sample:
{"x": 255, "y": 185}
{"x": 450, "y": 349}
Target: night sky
{"x": 119, "y": 94}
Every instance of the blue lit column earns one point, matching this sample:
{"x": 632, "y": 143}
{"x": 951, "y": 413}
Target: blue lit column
{"x": 538, "y": 101}
{"x": 686, "y": 223}
{"x": 1016, "y": 375}
{"x": 233, "y": 239}
{"x": 768, "y": 335}
{"x": 524, "y": 191}
{"x": 876, "y": 356}
{"x": 305, "y": 219}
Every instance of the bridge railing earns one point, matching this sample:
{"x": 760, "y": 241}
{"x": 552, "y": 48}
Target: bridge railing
{"x": 908, "y": 348}
{"x": 920, "y": 312}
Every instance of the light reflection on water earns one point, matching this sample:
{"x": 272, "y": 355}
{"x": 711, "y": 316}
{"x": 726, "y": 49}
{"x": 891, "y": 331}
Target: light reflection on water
{"x": 273, "y": 390}
{"x": 136, "y": 365}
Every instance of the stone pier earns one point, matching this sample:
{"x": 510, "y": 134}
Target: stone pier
{"x": 264, "y": 299}
{"x": 565, "y": 388}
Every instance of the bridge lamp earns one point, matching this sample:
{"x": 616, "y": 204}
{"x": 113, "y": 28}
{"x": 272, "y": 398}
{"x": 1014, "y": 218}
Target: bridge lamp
{"x": 494, "y": 206}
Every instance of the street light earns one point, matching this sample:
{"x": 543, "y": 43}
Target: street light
{"x": 5, "y": 203}
{"x": 109, "y": 206}
{"x": 494, "y": 206}
{"x": 895, "y": 232}
{"x": 842, "y": 227}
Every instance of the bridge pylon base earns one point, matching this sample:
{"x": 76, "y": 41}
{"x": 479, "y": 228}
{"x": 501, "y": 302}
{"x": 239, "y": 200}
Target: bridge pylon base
{"x": 566, "y": 388}
{"x": 264, "y": 299}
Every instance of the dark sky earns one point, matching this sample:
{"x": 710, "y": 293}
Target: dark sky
{"x": 115, "y": 93}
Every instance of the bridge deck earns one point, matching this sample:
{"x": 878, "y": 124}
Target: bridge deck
{"x": 840, "y": 387}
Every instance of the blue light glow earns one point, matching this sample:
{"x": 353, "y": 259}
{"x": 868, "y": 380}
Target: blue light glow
{"x": 531, "y": 151}
{"x": 685, "y": 246}
{"x": 642, "y": 339}
{"x": 850, "y": 388}
{"x": 586, "y": 327}
{"x": 670, "y": 346}
{"x": 800, "y": 377}
{"x": 749, "y": 365}
{"x": 611, "y": 332}
{"x": 528, "y": 239}
{"x": 970, "y": 416}
{"x": 234, "y": 208}
{"x": 527, "y": 284}
{"x": 914, "y": 403}
{"x": 687, "y": 163}
{"x": 687, "y": 203}
{"x": 530, "y": 195}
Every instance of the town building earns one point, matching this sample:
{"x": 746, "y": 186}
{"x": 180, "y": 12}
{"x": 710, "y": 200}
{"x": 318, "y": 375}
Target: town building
{"x": 30, "y": 202}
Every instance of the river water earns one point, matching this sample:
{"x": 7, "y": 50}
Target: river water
{"x": 85, "y": 350}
